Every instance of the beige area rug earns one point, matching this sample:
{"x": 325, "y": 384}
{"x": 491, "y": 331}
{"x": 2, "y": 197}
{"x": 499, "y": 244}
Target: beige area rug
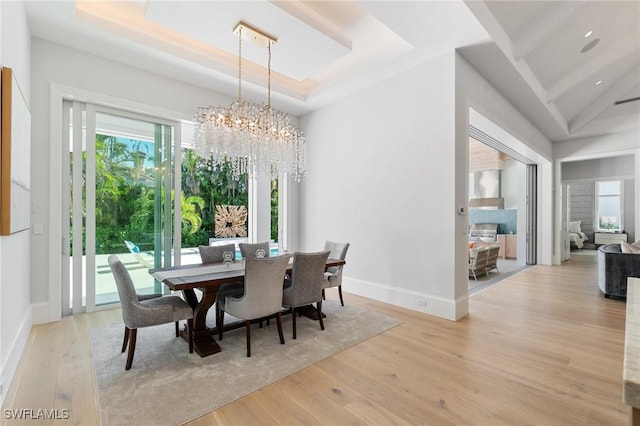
{"x": 169, "y": 386}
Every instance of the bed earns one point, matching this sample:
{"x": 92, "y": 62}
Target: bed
{"x": 576, "y": 236}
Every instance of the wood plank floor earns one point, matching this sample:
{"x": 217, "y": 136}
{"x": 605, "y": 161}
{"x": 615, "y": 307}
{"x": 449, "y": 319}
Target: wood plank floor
{"x": 541, "y": 347}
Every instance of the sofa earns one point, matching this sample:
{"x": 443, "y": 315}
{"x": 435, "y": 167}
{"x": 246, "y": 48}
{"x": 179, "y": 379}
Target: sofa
{"x": 614, "y": 267}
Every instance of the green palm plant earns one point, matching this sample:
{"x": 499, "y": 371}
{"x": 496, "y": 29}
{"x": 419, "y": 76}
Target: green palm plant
{"x": 190, "y": 208}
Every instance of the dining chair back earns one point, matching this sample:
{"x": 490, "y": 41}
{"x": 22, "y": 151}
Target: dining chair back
{"x": 216, "y": 254}
{"x": 306, "y": 284}
{"x": 254, "y": 250}
{"x": 262, "y": 296}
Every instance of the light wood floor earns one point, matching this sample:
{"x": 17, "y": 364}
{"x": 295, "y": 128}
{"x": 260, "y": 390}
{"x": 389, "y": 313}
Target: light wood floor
{"x": 541, "y": 347}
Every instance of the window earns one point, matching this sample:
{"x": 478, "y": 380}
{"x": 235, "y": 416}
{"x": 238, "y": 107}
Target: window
{"x": 609, "y": 206}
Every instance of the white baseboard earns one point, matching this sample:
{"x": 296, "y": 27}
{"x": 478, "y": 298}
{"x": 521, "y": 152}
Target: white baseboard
{"x": 422, "y": 302}
{"x": 16, "y": 348}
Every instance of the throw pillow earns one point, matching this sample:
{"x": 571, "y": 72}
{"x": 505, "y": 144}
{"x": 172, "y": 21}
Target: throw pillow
{"x": 471, "y": 244}
{"x": 575, "y": 226}
{"x": 629, "y": 248}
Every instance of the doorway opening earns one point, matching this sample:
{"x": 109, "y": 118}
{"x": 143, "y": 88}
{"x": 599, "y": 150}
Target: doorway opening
{"x": 501, "y": 211}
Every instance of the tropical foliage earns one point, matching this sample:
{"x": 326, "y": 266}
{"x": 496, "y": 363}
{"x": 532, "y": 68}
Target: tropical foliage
{"x": 125, "y": 195}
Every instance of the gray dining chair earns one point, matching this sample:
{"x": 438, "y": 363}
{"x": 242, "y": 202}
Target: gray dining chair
{"x": 305, "y": 285}
{"x": 215, "y": 254}
{"x": 262, "y": 296}
{"x": 333, "y": 275}
{"x": 138, "y": 313}
{"x": 248, "y": 250}
{"x": 254, "y": 249}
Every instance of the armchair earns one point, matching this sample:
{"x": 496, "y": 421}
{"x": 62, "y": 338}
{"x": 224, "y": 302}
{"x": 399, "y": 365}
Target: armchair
{"x": 333, "y": 275}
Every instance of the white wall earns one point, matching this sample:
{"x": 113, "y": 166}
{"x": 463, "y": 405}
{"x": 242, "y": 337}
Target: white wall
{"x": 381, "y": 176}
{"x": 605, "y": 167}
{"x": 388, "y": 171}
{"x": 15, "y": 309}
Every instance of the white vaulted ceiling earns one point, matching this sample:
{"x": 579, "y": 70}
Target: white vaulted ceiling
{"x": 560, "y": 50}
{"x": 326, "y": 50}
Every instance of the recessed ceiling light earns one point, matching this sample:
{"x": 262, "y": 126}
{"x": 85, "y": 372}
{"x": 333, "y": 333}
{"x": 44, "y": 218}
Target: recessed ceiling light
{"x": 588, "y": 34}
{"x": 598, "y": 83}
{"x": 590, "y": 45}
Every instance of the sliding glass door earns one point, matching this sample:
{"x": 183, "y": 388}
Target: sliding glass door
{"x": 120, "y": 200}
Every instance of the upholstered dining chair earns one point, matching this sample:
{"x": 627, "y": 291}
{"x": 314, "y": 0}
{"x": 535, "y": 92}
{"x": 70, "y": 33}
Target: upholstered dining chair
{"x": 262, "y": 296}
{"x": 138, "y": 313}
{"x": 254, "y": 249}
{"x": 305, "y": 286}
{"x": 215, "y": 254}
{"x": 333, "y": 275}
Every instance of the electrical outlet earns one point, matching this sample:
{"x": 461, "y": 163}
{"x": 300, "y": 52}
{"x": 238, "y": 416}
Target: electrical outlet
{"x": 422, "y": 303}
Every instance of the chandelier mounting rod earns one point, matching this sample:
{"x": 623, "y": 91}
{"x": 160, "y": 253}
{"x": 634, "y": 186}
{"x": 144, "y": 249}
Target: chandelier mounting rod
{"x": 254, "y": 35}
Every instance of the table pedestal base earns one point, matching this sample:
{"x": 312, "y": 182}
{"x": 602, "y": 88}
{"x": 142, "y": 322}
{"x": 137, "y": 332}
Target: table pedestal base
{"x": 204, "y": 343}
{"x": 309, "y": 311}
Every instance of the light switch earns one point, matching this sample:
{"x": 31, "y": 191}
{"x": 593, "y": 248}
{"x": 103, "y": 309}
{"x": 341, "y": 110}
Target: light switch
{"x": 38, "y": 229}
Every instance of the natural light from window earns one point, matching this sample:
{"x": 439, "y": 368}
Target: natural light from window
{"x": 609, "y": 206}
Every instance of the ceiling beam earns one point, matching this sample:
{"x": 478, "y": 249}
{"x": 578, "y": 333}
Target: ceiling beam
{"x": 608, "y": 125}
{"x": 500, "y": 37}
{"x": 605, "y": 101}
{"x": 622, "y": 50}
{"x": 541, "y": 30}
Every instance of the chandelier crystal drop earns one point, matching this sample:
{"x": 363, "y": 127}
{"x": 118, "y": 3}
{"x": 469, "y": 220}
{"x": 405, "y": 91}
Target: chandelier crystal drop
{"x": 254, "y": 139}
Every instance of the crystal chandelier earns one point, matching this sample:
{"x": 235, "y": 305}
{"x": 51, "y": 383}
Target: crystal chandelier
{"x": 254, "y": 139}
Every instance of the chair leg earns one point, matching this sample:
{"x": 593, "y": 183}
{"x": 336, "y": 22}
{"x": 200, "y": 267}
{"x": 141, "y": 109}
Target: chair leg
{"x": 219, "y": 320}
{"x": 279, "y": 321}
{"x": 126, "y": 338}
{"x": 340, "y": 293}
{"x": 323, "y": 296}
{"x": 248, "y": 325}
{"x": 220, "y": 324}
{"x": 319, "y": 308}
{"x": 293, "y": 318}
{"x": 190, "y": 332}
{"x": 132, "y": 347}
{"x": 177, "y": 328}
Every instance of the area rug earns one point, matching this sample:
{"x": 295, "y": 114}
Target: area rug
{"x": 169, "y": 386}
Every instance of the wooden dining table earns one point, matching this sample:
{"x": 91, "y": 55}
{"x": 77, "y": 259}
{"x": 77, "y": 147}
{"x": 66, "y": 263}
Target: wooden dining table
{"x": 207, "y": 278}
